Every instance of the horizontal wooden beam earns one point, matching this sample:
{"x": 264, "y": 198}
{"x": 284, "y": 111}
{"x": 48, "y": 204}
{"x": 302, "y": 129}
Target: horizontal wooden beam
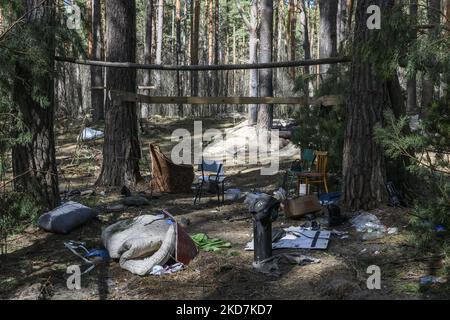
{"x": 133, "y": 97}
{"x": 269, "y": 65}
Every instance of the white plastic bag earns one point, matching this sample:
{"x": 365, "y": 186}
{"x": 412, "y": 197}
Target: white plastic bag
{"x": 90, "y": 134}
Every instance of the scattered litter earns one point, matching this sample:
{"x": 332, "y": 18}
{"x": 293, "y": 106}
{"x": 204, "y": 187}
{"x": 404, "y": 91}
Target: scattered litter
{"x": 89, "y": 134}
{"x": 330, "y": 198}
{"x": 232, "y": 194}
{"x": 204, "y": 243}
{"x": 136, "y": 201}
{"x": 363, "y": 250}
{"x": 160, "y": 270}
{"x": 66, "y": 217}
{"x": 103, "y": 193}
{"x": 299, "y": 238}
{"x": 340, "y": 234}
{"x": 280, "y": 194}
{"x": 376, "y": 252}
{"x": 367, "y": 222}
{"x": 370, "y": 225}
{"x": 97, "y": 255}
{"x": 270, "y": 266}
{"x": 373, "y": 235}
{"x": 392, "y": 230}
{"x": 427, "y": 280}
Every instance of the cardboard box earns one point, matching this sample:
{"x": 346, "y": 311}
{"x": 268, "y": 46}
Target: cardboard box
{"x": 296, "y": 208}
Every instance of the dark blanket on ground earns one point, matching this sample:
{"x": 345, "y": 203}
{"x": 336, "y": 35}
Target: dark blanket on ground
{"x": 168, "y": 176}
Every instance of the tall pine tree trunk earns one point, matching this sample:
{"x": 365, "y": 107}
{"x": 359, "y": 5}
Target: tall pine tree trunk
{"x": 97, "y": 95}
{"x": 265, "y": 112}
{"x": 363, "y": 159}
{"x": 34, "y": 163}
{"x": 121, "y": 149}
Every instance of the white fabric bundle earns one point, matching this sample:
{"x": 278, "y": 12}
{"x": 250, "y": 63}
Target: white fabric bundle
{"x": 141, "y": 243}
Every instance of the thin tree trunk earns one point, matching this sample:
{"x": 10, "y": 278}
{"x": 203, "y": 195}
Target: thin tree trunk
{"x": 34, "y": 163}
{"x": 328, "y": 31}
{"x": 342, "y": 18}
{"x": 147, "y": 76}
{"x": 411, "y": 83}
{"x": 216, "y": 84}
{"x": 195, "y": 24}
{"x": 363, "y": 159}
{"x": 97, "y": 96}
{"x": 292, "y": 31}
{"x": 121, "y": 149}
{"x": 428, "y": 84}
{"x": 306, "y": 46}
{"x": 265, "y": 112}
{"x": 178, "y": 51}
{"x": 159, "y": 43}
{"x": 252, "y": 26}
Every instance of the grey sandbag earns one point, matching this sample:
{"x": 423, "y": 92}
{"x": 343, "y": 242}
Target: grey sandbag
{"x": 66, "y": 217}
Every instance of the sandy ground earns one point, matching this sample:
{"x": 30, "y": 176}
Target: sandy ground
{"x": 36, "y": 262}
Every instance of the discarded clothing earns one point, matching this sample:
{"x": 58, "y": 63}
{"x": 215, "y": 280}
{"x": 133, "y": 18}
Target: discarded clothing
{"x": 203, "y": 242}
{"x": 66, "y": 217}
{"x": 270, "y": 266}
{"x": 299, "y": 238}
{"x": 140, "y": 243}
{"x": 146, "y": 241}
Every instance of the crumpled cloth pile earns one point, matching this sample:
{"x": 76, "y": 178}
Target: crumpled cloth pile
{"x": 141, "y": 243}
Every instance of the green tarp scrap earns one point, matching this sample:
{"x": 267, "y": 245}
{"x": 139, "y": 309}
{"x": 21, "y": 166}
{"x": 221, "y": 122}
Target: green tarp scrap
{"x": 204, "y": 243}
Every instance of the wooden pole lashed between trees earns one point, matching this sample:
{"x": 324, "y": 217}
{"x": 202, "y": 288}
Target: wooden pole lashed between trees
{"x": 269, "y": 65}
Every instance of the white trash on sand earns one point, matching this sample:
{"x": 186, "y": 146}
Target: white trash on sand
{"x": 371, "y": 226}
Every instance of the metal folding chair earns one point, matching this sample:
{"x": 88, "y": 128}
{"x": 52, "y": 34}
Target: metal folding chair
{"x": 216, "y": 178}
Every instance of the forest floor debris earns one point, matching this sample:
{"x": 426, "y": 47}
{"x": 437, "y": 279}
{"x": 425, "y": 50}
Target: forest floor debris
{"x": 39, "y": 259}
